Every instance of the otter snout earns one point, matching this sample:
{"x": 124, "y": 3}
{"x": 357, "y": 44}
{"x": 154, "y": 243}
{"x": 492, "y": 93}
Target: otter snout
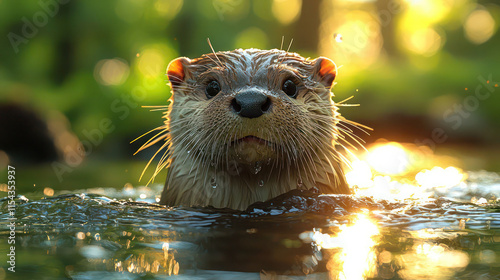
{"x": 251, "y": 103}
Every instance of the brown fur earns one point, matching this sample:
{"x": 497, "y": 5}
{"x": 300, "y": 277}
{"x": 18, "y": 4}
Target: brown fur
{"x": 207, "y": 166}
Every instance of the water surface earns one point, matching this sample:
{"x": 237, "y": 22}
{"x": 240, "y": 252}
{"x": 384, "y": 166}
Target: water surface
{"x": 124, "y": 234}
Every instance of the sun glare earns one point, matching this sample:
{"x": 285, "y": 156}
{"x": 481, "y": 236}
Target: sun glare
{"x": 440, "y": 177}
{"x": 389, "y": 159}
{"x": 392, "y": 170}
{"x": 356, "y": 258}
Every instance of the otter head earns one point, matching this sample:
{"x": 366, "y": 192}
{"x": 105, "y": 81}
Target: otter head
{"x": 248, "y": 106}
{"x": 239, "y": 112}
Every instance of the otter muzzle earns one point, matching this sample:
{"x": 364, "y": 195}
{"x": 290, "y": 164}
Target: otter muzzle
{"x": 251, "y": 103}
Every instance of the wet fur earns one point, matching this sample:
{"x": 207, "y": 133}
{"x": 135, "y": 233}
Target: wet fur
{"x": 204, "y": 169}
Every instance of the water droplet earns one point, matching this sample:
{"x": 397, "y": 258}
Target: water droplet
{"x": 188, "y": 152}
{"x": 257, "y": 167}
{"x": 213, "y": 183}
{"x": 337, "y": 37}
{"x": 300, "y": 184}
{"x": 261, "y": 183}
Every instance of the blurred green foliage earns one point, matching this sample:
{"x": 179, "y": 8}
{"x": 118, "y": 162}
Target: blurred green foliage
{"x": 95, "y": 60}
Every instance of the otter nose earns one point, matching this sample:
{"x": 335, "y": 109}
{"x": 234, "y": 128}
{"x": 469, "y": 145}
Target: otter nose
{"x": 251, "y": 104}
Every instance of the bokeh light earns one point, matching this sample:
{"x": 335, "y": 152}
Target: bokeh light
{"x": 48, "y": 191}
{"x": 252, "y": 37}
{"x": 352, "y": 37}
{"x": 168, "y": 8}
{"x": 428, "y": 260}
{"x": 479, "y": 26}
{"x": 151, "y": 62}
{"x": 286, "y": 11}
{"x": 423, "y": 12}
{"x": 111, "y": 72}
{"x": 425, "y": 41}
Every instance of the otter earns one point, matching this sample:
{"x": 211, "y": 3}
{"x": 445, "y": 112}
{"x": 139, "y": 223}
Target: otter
{"x": 248, "y": 125}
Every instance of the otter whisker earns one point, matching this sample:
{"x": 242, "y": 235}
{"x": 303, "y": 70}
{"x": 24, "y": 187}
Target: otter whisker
{"x": 359, "y": 126}
{"x": 207, "y": 137}
{"x": 149, "y": 162}
{"x": 210, "y": 44}
{"x": 154, "y": 129}
{"x": 153, "y": 140}
{"x": 162, "y": 164}
{"x": 345, "y": 100}
{"x": 353, "y": 136}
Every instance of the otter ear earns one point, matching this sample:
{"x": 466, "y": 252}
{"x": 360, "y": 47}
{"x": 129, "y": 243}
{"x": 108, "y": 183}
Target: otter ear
{"x": 325, "y": 71}
{"x": 176, "y": 70}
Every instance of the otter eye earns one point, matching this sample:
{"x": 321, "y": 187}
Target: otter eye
{"x": 212, "y": 89}
{"x": 290, "y": 88}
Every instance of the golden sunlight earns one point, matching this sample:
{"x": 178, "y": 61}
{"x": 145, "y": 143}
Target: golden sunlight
{"x": 426, "y": 41}
{"x": 357, "y": 254}
{"x": 427, "y": 11}
{"x": 439, "y": 261}
{"x": 357, "y": 258}
{"x": 389, "y": 159}
{"x": 360, "y": 43}
{"x": 360, "y": 174}
{"x": 440, "y": 177}
{"x": 392, "y": 170}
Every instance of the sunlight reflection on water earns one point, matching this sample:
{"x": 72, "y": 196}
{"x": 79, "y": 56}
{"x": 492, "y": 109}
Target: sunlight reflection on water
{"x": 428, "y": 220}
{"x": 356, "y": 259}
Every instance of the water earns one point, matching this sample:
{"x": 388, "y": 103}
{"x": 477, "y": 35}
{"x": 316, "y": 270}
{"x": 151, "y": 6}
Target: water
{"x": 123, "y": 234}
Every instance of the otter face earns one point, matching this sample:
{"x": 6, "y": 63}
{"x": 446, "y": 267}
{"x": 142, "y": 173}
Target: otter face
{"x": 251, "y": 106}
